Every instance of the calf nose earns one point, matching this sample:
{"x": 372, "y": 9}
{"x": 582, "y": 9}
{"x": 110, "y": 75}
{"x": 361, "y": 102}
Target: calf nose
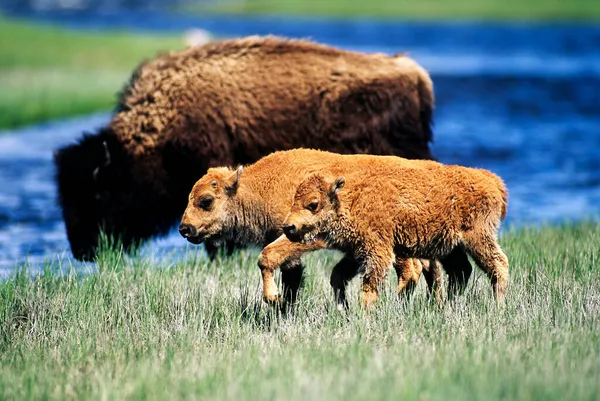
{"x": 187, "y": 230}
{"x": 289, "y": 229}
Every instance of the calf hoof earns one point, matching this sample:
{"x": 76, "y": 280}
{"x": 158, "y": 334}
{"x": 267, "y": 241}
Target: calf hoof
{"x": 368, "y": 298}
{"x": 500, "y": 300}
{"x": 274, "y": 299}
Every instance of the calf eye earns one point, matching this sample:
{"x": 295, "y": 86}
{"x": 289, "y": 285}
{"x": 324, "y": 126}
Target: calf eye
{"x": 312, "y": 206}
{"x": 205, "y": 202}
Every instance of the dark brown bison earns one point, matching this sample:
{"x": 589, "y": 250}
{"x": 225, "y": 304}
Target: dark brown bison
{"x": 226, "y": 103}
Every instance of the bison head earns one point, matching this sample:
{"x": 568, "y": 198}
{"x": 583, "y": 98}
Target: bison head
{"x": 315, "y": 202}
{"x": 208, "y": 216}
{"x": 97, "y": 193}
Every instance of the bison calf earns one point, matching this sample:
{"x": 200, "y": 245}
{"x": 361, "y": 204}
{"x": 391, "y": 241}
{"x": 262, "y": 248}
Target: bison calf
{"x": 377, "y": 214}
{"x": 248, "y": 206}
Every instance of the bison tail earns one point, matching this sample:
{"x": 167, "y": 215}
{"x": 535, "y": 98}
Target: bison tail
{"x": 503, "y": 195}
{"x": 504, "y": 203}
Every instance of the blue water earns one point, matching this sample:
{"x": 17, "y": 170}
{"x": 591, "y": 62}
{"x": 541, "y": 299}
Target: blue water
{"x": 520, "y": 100}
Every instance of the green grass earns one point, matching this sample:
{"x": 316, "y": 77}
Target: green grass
{"x": 421, "y": 9}
{"x": 139, "y": 328}
{"x": 48, "y": 72}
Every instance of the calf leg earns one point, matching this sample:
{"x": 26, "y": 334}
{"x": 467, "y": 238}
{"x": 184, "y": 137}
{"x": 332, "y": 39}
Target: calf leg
{"x": 432, "y": 271}
{"x": 489, "y": 257}
{"x": 459, "y": 270}
{"x": 375, "y": 266}
{"x": 344, "y": 271}
{"x": 274, "y": 255}
{"x": 213, "y": 250}
{"x": 408, "y": 272}
{"x": 291, "y": 277}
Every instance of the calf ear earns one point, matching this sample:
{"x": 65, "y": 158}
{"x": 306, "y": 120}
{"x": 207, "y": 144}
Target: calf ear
{"x": 336, "y": 186}
{"x": 233, "y": 181}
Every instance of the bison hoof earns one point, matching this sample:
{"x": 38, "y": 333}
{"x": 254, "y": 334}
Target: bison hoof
{"x": 368, "y": 298}
{"x": 273, "y": 300}
{"x": 342, "y": 306}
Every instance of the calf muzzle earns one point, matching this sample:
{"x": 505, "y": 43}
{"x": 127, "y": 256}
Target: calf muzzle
{"x": 289, "y": 229}
{"x": 187, "y": 230}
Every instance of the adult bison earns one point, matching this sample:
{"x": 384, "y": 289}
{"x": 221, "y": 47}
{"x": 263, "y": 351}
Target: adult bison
{"x": 226, "y": 103}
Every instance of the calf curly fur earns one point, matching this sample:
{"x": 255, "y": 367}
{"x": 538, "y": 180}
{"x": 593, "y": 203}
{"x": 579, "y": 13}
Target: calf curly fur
{"x": 248, "y": 205}
{"x": 378, "y": 214}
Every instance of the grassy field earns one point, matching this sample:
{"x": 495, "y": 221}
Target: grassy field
{"x": 48, "y": 72}
{"x": 477, "y": 9}
{"x": 192, "y": 330}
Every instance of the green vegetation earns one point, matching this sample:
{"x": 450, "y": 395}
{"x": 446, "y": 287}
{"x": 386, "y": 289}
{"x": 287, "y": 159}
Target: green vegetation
{"x": 445, "y": 9}
{"x": 140, "y": 328}
{"x": 48, "y": 72}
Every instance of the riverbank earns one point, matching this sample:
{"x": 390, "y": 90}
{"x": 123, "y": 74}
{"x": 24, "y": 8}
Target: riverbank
{"x": 141, "y": 328}
{"x": 581, "y": 10}
{"x": 48, "y": 72}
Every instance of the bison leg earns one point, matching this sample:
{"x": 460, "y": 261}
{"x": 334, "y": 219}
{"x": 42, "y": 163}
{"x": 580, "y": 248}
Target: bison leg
{"x": 408, "y": 272}
{"x": 344, "y": 271}
{"x": 489, "y": 257}
{"x": 433, "y": 276}
{"x": 213, "y": 250}
{"x": 291, "y": 277}
{"x": 375, "y": 266}
{"x": 274, "y": 255}
{"x": 459, "y": 270}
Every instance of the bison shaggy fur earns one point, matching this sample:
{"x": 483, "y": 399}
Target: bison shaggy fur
{"x": 226, "y": 103}
{"x": 377, "y": 214}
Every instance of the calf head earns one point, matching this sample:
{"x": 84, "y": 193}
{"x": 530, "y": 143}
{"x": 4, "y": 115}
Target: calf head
{"x": 315, "y": 203}
{"x": 209, "y": 214}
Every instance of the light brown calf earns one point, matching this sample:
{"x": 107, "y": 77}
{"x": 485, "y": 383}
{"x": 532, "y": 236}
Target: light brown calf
{"x": 249, "y": 205}
{"x": 378, "y": 214}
